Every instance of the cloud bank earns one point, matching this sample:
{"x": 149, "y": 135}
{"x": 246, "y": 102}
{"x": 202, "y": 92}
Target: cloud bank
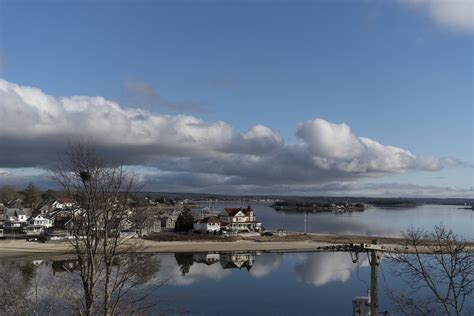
{"x": 183, "y": 150}
{"x": 457, "y": 15}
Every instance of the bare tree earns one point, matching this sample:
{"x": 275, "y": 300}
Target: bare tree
{"x": 102, "y": 191}
{"x": 439, "y": 273}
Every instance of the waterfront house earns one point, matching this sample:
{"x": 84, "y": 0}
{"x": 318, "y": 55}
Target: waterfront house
{"x": 240, "y": 220}
{"x": 209, "y": 224}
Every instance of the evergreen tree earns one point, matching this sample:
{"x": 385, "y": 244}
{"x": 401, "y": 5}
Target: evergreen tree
{"x": 32, "y": 196}
{"x": 185, "y": 221}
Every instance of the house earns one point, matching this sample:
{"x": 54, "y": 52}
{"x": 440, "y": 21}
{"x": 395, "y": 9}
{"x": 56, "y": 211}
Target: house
{"x": 151, "y": 225}
{"x": 240, "y": 220}
{"x": 127, "y": 228}
{"x": 45, "y": 208}
{"x": 16, "y": 217}
{"x": 281, "y": 232}
{"x": 40, "y": 220}
{"x": 36, "y": 225}
{"x": 168, "y": 222}
{"x": 63, "y": 203}
{"x": 16, "y": 203}
{"x": 209, "y": 224}
{"x": 59, "y": 230}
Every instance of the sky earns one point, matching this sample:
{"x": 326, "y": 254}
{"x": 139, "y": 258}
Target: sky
{"x": 244, "y": 97}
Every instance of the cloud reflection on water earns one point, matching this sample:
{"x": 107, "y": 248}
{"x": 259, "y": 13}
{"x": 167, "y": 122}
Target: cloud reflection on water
{"x": 320, "y": 269}
{"x": 317, "y": 269}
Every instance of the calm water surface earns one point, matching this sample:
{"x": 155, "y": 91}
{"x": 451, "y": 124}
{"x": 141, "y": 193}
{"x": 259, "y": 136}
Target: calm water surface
{"x": 269, "y": 283}
{"x": 372, "y": 222}
{"x": 241, "y": 283}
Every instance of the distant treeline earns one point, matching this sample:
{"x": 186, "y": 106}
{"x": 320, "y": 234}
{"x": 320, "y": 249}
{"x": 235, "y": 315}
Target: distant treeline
{"x": 312, "y": 206}
{"x": 316, "y": 199}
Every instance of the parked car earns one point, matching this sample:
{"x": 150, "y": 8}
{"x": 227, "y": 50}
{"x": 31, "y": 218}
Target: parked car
{"x": 267, "y": 233}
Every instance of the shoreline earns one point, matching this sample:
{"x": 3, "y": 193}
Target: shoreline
{"x": 22, "y": 250}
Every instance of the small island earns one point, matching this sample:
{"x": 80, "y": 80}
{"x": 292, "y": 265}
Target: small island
{"x": 317, "y": 207}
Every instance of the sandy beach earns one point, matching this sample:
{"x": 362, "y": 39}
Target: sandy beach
{"x": 11, "y": 249}
{"x": 21, "y": 249}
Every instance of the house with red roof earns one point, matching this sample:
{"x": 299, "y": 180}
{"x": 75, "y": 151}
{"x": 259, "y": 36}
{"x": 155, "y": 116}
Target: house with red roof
{"x": 240, "y": 220}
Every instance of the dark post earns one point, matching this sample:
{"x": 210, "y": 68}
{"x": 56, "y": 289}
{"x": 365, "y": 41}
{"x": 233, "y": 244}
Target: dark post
{"x": 374, "y": 286}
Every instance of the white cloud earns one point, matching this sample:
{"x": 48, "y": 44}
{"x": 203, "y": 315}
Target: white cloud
{"x": 335, "y": 146}
{"x": 457, "y": 15}
{"x": 183, "y": 149}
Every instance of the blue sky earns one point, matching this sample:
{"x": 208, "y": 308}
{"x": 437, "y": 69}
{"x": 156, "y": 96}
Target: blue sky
{"x": 396, "y": 72}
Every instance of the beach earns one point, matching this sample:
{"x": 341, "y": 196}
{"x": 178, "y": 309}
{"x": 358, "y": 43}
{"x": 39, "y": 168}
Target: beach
{"x": 21, "y": 249}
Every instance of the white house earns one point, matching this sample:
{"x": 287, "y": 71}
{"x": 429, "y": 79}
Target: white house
{"x": 40, "y": 220}
{"x": 37, "y": 224}
{"x": 16, "y": 217}
{"x": 207, "y": 225}
{"x": 240, "y": 219}
{"x": 63, "y": 203}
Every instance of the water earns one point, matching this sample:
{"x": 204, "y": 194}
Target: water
{"x": 385, "y": 222}
{"x": 231, "y": 283}
{"x": 254, "y": 283}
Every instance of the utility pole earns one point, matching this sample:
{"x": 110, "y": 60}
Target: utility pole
{"x": 374, "y": 286}
{"x": 305, "y": 212}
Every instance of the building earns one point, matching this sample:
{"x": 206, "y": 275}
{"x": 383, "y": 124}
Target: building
{"x": 40, "y": 220}
{"x": 240, "y": 220}
{"x": 59, "y": 230}
{"x": 36, "y": 225}
{"x": 168, "y": 222}
{"x": 151, "y": 225}
{"x": 281, "y": 232}
{"x": 209, "y": 224}
{"x": 16, "y": 217}
{"x": 63, "y": 203}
